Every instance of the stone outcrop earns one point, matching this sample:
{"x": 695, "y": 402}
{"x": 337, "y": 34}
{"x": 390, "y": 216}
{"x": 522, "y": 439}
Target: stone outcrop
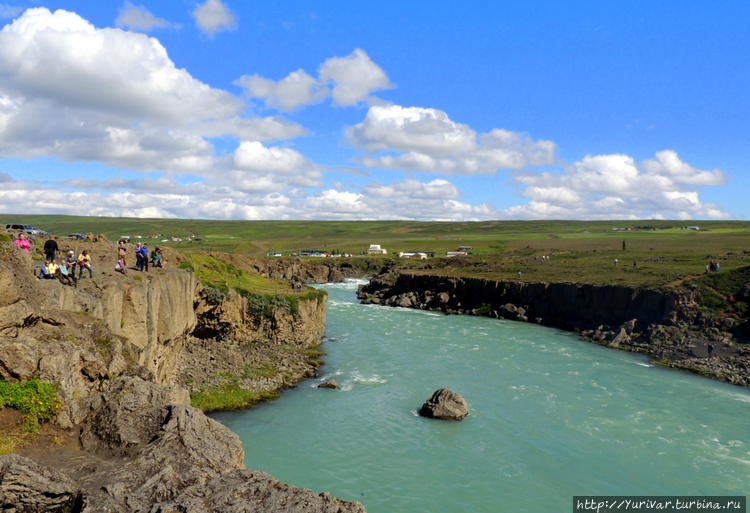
{"x": 114, "y": 345}
{"x": 445, "y": 404}
{"x": 26, "y": 486}
{"x": 667, "y": 325}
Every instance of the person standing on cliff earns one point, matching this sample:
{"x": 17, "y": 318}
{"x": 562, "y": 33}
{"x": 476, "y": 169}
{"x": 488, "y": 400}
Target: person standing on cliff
{"x": 23, "y": 243}
{"x": 51, "y": 248}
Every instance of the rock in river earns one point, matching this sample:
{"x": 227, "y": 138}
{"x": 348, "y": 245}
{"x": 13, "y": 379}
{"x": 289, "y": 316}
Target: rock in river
{"x": 331, "y": 383}
{"x": 445, "y": 404}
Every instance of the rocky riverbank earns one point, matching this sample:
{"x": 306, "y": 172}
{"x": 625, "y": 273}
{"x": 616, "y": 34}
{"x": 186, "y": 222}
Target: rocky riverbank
{"x": 670, "y": 326}
{"x": 124, "y": 351}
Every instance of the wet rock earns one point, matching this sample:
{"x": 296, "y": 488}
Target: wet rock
{"x": 26, "y": 486}
{"x": 446, "y": 405}
{"x": 622, "y": 338}
{"x": 331, "y": 384}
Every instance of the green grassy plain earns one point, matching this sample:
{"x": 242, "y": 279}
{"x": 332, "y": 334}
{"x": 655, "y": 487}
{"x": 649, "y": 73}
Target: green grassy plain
{"x": 578, "y": 251}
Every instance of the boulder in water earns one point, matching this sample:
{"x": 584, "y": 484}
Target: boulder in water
{"x": 446, "y": 405}
{"x": 331, "y": 383}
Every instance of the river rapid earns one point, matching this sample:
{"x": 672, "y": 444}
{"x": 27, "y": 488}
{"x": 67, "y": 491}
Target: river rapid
{"x": 551, "y": 416}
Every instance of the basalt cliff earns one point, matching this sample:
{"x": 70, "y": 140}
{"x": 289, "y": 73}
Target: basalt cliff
{"x": 125, "y": 353}
{"x": 670, "y": 326}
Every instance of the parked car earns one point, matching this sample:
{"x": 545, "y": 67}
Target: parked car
{"x": 26, "y": 228}
{"x": 77, "y": 236}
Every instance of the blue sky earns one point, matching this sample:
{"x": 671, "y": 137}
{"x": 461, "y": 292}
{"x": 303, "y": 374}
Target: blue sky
{"x": 387, "y": 110}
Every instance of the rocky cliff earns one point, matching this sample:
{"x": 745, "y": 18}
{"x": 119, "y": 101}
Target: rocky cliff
{"x": 115, "y": 346}
{"x": 667, "y": 325}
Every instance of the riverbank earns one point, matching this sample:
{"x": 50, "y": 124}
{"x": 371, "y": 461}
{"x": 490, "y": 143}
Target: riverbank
{"x": 673, "y": 326}
{"x": 118, "y": 348}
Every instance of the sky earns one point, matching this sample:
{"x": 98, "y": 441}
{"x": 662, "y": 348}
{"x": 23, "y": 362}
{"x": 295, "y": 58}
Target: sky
{"x": 442, "y": 110}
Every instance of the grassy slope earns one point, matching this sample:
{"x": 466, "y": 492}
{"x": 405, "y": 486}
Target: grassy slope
{"x": 581, "y": 251}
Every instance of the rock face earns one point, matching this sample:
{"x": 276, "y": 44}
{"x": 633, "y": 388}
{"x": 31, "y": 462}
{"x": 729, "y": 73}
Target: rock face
{"x": 446, "y": 405}
{"x": 26, "y": 486}
{"x": 113, "y": 346}
{"x": 669, "y": 326}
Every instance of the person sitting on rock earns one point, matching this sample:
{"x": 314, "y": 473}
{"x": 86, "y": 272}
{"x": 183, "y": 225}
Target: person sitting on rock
{"x": 84, "y": 262}
{"x": 156, "y": 259}
{"x": 44, "y": 273}
{"x": 64, "y": 275}
{"x": 53, "y": 268}
{"x": 23, "y": 243}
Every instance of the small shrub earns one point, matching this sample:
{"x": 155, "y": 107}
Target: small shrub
{"x": 215, "y": 295}
{"x": 37, "y": 400}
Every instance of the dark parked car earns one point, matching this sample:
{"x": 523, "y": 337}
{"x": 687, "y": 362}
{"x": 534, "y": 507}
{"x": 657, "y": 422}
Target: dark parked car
{"x": 26, "y": 228}
{"x": 76, "y": 236}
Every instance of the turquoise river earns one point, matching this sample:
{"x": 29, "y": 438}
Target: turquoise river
{"x": 551, "y": 416}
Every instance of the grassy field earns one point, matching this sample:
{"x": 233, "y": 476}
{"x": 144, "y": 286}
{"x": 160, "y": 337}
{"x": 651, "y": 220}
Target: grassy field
{"x": 656, "y": 253}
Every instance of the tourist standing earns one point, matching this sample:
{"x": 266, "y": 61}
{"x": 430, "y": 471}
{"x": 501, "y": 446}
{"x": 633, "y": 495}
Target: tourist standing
{"x": 23, "y": 243}
{"x": 144, "y": 257}
{"x": 51, "y": 248}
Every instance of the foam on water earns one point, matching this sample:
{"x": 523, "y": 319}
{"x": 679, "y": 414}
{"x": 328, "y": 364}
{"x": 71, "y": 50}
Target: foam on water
{"x": 551, "y": 416}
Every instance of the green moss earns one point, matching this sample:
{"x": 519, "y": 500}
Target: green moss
{"x": 36, "y": 399}
{"x": 229, "y": 397}
{"x": 4, "y": 237}
{"x": 261, "y": 371}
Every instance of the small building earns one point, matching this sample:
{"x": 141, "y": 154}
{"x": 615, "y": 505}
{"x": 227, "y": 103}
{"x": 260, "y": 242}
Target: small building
{"x": 455, "y": 253}
{"x": 375, "y": 249}
{"x": 465, "y": 248}
{"x": 413, "y": 256}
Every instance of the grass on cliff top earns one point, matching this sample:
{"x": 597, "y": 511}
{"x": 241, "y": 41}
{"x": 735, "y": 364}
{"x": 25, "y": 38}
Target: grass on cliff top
{"x": 264, "y": 295}
{"x": 219, "y": 274}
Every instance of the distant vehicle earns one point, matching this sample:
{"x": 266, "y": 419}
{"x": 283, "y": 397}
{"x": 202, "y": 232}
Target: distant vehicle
{"x": 26, "y": 228}
{"x": 76, "y": 236}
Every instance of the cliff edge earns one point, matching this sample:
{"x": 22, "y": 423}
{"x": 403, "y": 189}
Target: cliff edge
{"x": 115, "y": 346}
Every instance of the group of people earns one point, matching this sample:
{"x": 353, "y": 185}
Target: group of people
{"x": 65, "y": 271}
{"x": 141, "y": 257}
{"x": 713, "y": 266}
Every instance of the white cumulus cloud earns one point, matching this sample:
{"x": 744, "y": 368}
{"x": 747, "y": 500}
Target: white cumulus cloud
{"x": 296, "y": 89}
{"x": 81, "y": 93}
{"x": 348, "y": 80}
{"x": 353, "y": 77}
{"x": 616, "y": 187}
{"x": 427, "y": 140}
{"x": 213, "y": 16}
{"x": 136, "y": 17}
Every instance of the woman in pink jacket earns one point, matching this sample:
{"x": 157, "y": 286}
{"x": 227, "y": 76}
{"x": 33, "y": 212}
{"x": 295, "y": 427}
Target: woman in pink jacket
{"x": 23, "y": 243}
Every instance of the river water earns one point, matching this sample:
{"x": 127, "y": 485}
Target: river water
{"x": 551, "y": 416}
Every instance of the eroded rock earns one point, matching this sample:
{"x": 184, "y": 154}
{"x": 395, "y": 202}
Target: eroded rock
{"x": 27, "y": 487}
{"x": 446, "y": 405}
